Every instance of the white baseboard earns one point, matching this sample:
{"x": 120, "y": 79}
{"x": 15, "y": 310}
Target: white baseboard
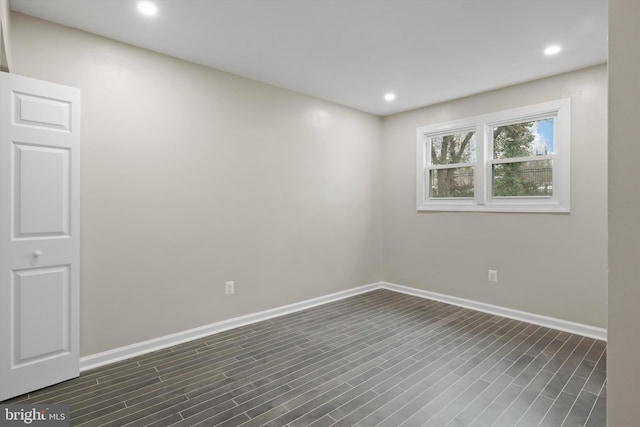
{"x": 129, "y": 351}
{"x": 536, "y": 319}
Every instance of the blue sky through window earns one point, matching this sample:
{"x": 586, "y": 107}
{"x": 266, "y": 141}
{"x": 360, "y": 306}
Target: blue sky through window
{"x": 543, "y": 131}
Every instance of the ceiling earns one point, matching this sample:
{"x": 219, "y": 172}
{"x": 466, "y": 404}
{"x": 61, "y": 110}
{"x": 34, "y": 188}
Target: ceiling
{"x": 352, "y": 52}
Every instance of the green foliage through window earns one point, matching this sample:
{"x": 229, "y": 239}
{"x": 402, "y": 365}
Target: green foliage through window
{"x": 523, "y": 179}
{"x": 523, "y": 140}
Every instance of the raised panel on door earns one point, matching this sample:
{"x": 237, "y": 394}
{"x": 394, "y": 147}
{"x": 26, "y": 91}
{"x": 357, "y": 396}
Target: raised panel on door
{"x": 40, "y": 322}
{"x": 39, "y": 234}
{"x": 39, "y": 111}
{"x": 41, "y": 191}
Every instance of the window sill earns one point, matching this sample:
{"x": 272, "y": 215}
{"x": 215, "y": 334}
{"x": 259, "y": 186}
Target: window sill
{"x": 495, "y": 207}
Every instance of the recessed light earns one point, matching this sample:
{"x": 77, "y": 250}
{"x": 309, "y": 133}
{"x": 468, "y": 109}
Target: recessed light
{"x": 147, "y": 8}
{"x": 390, "y": 96}
{"x": 554, "y": 49}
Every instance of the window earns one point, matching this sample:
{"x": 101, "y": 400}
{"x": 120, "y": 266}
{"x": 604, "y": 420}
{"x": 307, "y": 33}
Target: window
{"x": 509, "y": 161}
{"x": 452, "y": 159}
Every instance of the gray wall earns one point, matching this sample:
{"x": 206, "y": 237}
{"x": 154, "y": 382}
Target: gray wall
{"x": 5, "y": 34}
{"x": 192, "y": 177}
{"x": 549, "y": 264}
{"x": 623, "y": 369}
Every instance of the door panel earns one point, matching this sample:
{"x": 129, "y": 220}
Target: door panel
{"x": 39, "y": 234}
{"x": 41, "y": 304}
{"x": 41, "y": 191}
{"x": 33, "y": 110}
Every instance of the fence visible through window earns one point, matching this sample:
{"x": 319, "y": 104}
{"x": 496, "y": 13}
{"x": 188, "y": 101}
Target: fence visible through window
{"x": 518, "y": 179}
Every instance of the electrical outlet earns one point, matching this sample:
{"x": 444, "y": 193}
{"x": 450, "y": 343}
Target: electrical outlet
{"x": 493, "y": 275}
{"x": 229, "y": 288}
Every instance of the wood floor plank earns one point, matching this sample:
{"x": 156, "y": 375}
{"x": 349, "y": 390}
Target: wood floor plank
{"x": 380, "y": 358}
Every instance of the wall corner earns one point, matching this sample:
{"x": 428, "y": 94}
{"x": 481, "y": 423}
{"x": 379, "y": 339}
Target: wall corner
{"x": 5, "y": 35}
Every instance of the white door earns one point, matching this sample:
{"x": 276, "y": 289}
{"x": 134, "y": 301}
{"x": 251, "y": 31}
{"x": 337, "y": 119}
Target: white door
{"x": 39, "y": 234}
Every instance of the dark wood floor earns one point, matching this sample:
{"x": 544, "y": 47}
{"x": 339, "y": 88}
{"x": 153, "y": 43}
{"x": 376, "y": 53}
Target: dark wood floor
{"x": 380, "y": 358}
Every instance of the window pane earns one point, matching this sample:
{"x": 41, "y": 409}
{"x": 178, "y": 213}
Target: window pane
{"x": 525, "y": 139}
{"x": 455, "y": 182}
{"x": 454, "y": 148}
{"x": 524, "y": 179}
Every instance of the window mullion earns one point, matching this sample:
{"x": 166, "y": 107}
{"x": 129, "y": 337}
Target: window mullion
{"x": 480, "y": 175}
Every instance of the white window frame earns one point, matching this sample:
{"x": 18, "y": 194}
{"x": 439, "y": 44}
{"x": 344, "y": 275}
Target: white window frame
{"x": 483, "y": 200}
